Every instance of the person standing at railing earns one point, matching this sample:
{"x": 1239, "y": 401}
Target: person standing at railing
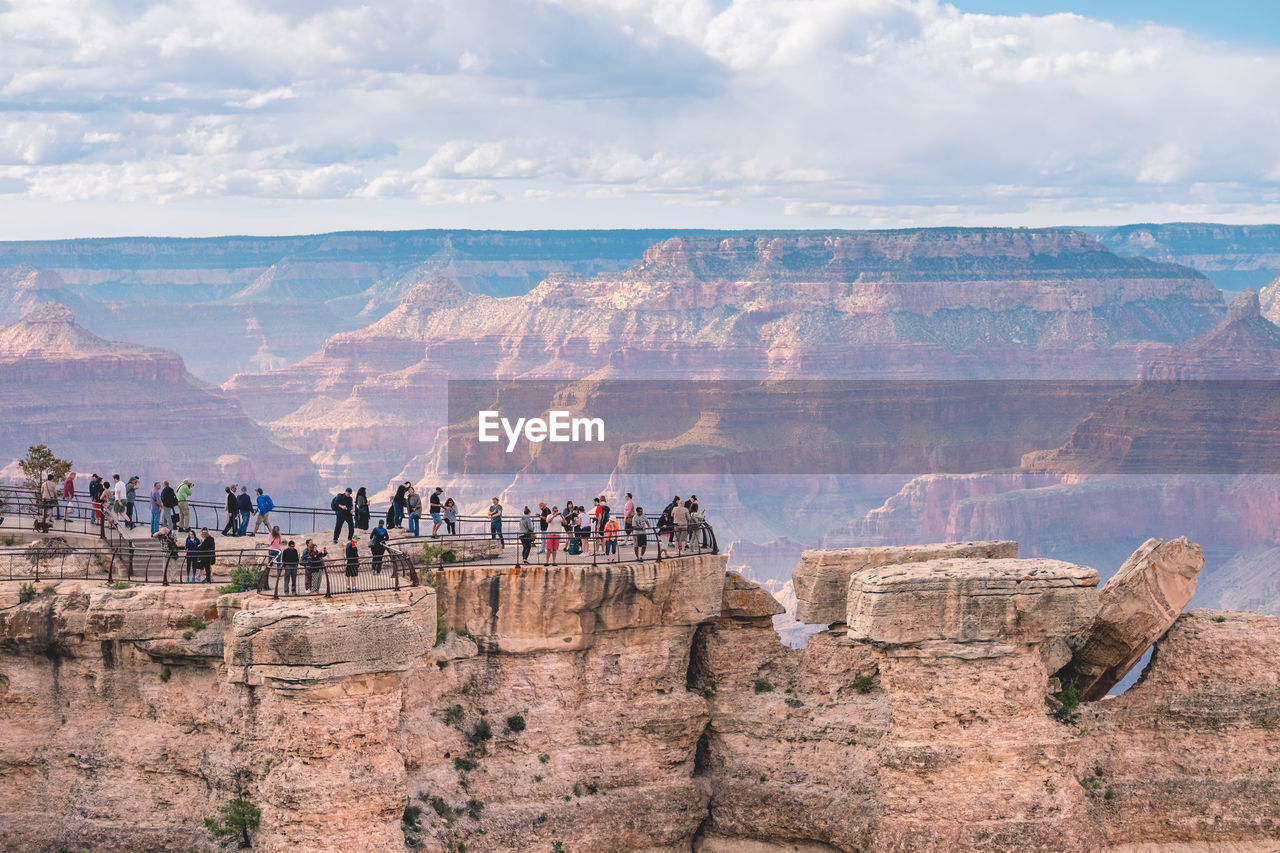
{"x": 495, "y": 523}
{"x": 208, "y": 554}
{"x": 69, "y": 493}
{"x": 184, "y": 504}
{"x": 680, "y": 530}
{"x": 95, "y": 495}
{"x": 526, "y": 536}
{"x": 544, "y": 512}
{"x": 378, "y": 546}
{"x": 48, "y": 499}
{"x": 169, "y": 500}
{"x": 555, "y": 524}
{"x": 192, "y": 547}
{"x": 641, "y": 528}
{"x": 611, "y": 538}
{"x": 397, "y": 504}
{"x": 342, "y": 506}
{"x": 413, "y": 506}
{"x": 628, "y": 515}
{"x": 352, "y": 552}
{"x": 119, "y": 497}
{"x": 273, "y": 546}
{"x": 130, "y": 501}
{"x": 156, "y": 509}
{"x": 437, "y": 512}
{"x": 289, "y": 563}
{"x": 244, "y": 510}
{"x": 362, "y": 509}
{"x": 313, "y": 564}
{"x": 450, "y": 514}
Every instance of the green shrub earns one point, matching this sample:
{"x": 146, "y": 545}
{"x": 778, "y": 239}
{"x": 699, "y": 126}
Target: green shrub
{"x": 10, "y": 540}
{"x": 474, "y": 808}
{"x": 237, "y": 818}
{"x": 411, "y": 825}
{"x": 863, "y": 683}
{"x": 26, "y": 592}
{"x": 443, "y": 809}
{"x": 763, "y": 685}
{"x": 462, "y": 765}
{"x": 516, "y": 723}
{"x": 793, "y": 703}
{"x": 454, "y": 715}
{"x": 544, "y": 758}
{"x": 188, "y": 635}
{"x": 197, "y": 624}
{"x": 243, "y": 579}
{"x": 557, "y": 847}
{"x": 1069, "y": 697}
{"x": 481, "y": 732}
{"x": 1109, "y": 794}
{"x": 1219, "y": 619}
{"x": 537, "y": 778}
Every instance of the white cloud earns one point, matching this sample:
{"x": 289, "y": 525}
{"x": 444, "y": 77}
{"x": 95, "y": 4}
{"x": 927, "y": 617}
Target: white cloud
{"x": 850, "y": 112}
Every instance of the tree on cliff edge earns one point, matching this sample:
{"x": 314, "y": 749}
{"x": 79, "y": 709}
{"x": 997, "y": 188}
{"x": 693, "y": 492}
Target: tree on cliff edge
{"x": 39, "y": 463}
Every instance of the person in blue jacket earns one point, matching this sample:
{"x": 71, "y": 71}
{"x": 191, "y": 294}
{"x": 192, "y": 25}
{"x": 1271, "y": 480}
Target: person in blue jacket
{"x": 245, "y": 507}
{"x": 265, "y": 505}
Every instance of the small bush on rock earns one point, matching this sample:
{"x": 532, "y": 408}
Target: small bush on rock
{"x": 763, "y": 685}
{"x": 26, "y": 592}
{"x": 236, "y": 820}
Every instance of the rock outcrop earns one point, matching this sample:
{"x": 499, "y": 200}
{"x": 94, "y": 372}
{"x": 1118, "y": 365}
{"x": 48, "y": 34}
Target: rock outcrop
{"x": 638, "y": 708}
{"x": 1139, "y": 603}
{"x": 822, "y": 578}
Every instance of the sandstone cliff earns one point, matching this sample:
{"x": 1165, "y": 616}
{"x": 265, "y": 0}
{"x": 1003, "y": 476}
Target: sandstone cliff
{"x": 123, "y": 408}
{"x": 644, "y": 708}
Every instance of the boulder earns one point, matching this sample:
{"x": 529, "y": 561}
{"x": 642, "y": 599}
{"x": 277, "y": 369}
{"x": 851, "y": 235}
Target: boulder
{"x": 972, "y": 600}
{"x": 1136, "y": 607}
{"x": 822, "y": 578}
{"x": 744, "y": 599}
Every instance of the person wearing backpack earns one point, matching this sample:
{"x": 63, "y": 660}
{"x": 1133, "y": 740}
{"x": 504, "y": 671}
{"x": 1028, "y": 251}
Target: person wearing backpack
{"x": 378, "y": 546}
{"x": 343, "y": 506}
{"x": 265, "y": 505}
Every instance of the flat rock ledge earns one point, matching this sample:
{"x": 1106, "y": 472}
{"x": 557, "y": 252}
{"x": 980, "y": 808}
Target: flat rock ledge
{"x": 972, "y": 600}
{"x": 822, "y": 577}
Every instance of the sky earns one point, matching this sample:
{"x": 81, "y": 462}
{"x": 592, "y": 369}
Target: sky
{"x": 178, "y": 118}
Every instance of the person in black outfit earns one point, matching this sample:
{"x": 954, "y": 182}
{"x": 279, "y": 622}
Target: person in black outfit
{"x": 362, "y": 508}
{"x": 208, "y": 554}
{"x": 343, "y": 506}
{"x": 378, "y": 546}
{"x": 169, "y": 500}
{"x": 353, "y": 562}
{"x": 289, "y": 561}
{"x": 231, "y": 528}
{"x": 397, "y": 504}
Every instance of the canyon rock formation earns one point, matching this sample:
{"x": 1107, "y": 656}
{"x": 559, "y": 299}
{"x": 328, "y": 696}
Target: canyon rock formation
{"x": 639, "y": 707}
{"x": 114, "y": 408}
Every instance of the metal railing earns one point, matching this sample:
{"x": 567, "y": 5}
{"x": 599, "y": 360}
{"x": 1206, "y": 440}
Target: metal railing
{"x": 329, "y": 576}
{"x": 147, "y": 560}
{"x": 576, "y": 548}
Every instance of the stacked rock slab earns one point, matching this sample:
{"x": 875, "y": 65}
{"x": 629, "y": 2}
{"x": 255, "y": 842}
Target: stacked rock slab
{"x": 970, "y": 760}
{"x": 1136, "y": 607}
{"x": 822, "y": 578}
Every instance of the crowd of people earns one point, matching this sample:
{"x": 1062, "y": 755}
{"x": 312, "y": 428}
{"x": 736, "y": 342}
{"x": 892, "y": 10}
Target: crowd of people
{"x": 575, "y": 529}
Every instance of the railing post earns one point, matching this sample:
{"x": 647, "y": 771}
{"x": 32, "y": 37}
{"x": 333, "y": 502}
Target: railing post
{"x": 327, "y": 592}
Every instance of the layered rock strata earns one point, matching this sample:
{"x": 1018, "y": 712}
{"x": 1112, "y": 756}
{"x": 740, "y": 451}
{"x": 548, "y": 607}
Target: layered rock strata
{"x": 641, "y": 708}
{"x": 821, "y": 580}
